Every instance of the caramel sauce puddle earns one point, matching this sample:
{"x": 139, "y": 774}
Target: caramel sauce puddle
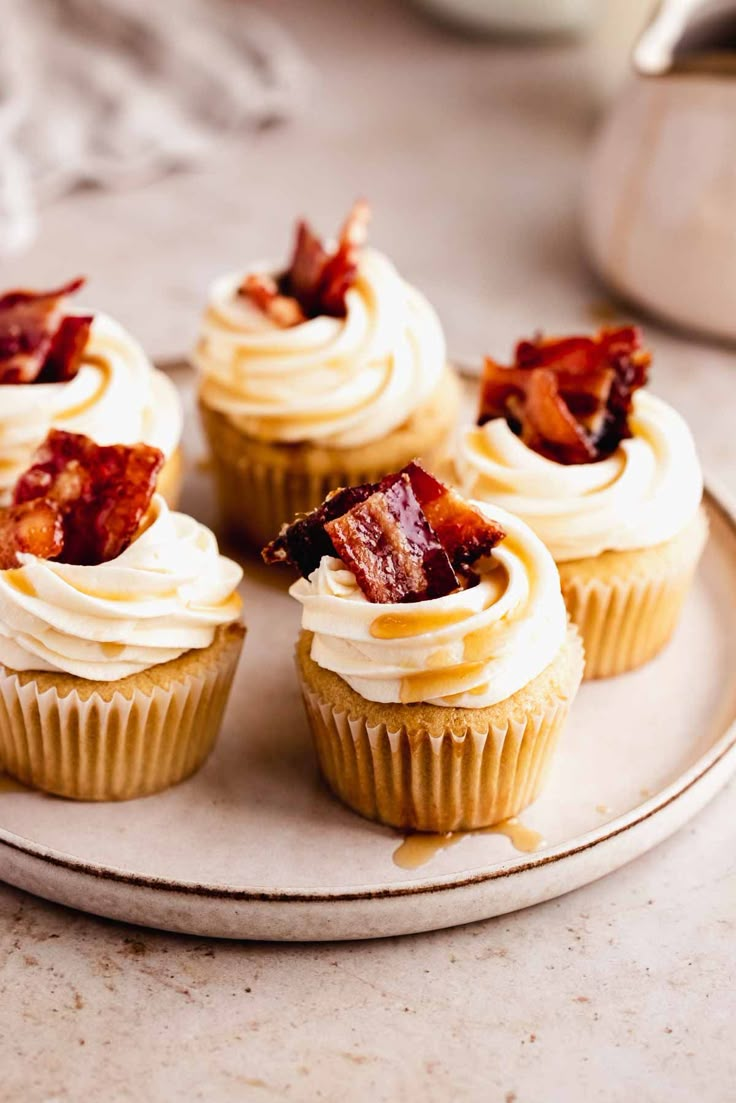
{"x": 418, "y": 849}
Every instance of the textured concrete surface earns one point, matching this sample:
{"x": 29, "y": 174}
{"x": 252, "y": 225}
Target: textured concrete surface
{"x": 472, "y": 155}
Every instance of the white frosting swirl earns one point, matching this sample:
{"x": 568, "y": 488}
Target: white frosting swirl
{"x": 117, "y": 397}
{"x": 340, "y": 381}
{"x": 469, "y": 649}
{"x": 164, "y": 595}
{"x": 645, "y": 493}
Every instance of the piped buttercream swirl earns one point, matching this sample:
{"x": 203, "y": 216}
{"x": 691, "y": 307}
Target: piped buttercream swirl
{"x": 165, "y": 594}
{"x": 117, "y": 397}
{"x": 339, "y": 381}
{"x": 642, "y": 495}
{"x": 468, "y": 649}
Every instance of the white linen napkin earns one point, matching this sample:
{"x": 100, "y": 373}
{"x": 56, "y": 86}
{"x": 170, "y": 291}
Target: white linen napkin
{"x": 114, "y": 92}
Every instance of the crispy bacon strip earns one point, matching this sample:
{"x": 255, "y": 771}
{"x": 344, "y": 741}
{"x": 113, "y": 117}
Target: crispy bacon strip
{"x": 316, "y": 282}
{"x": 406, "y": 538}
{"x": 34, "y": 527}
{"x": 391, "y": 548}
{"x": 37, "y": 341}
{"x": 102, "y": 492}
{"x": 569, "y": 399}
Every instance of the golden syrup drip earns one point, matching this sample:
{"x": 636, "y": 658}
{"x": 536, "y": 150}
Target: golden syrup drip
{"x": 520, "y": 836}
{"x": 82, "y": 407}
{"x": 418, "y": 849}
{"x": 110, "y": 595}
{"x": 427, "y": 684}
{"x": 402, "y": 626}
{"x": 479, "y": 691}
{"x": 8, "y": 784}
{"x": 18, "y": 579}
{"x": 440, "y": 658}
{"x": 112, "y": 650}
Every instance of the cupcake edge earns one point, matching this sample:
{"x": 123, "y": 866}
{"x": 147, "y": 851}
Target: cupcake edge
{"x": 101, "y": 741}
{"x": 628, "y": 604}
{"x": 429, "y": 768}
{"x": 261, "y": 484}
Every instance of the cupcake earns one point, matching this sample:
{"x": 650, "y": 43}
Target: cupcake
{"x": 436, "y": 660}
{"x": 80, "y": 372}
{"x": 323, "y": 374}
{"x": 606, "y": 474}
{"x": 120, "y": 626}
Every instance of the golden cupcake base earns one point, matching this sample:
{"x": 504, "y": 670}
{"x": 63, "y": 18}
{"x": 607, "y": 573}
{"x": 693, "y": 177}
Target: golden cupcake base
{"x": 116, "y": 740}
{"x": 427, "y": 768}
{"x": 627, "y": 604}
{"x": 261, "y": 485}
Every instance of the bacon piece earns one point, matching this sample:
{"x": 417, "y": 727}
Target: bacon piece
{"x": 303, "y": 542}
{"x": 37, "y": 340}
{"x": 569, "y": 399}
{"x": 417, "y": 513}
{"x": 316, "y": 282}
{"x": 34, "y": 528}
{"x": 465, "y": 533}
{"x": 264, "y": 293}
{"x": 391, "y": 548}
{"x": 102, "y": 492}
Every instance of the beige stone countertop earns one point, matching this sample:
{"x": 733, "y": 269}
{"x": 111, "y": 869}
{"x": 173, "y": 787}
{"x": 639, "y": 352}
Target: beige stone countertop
{"x": 472, "y": 156}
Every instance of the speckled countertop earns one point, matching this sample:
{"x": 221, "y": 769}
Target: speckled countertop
{"x": 472, "y": 157}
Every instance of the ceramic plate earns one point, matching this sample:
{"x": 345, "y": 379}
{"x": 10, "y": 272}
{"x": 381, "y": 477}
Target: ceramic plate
{"x": 254, "y": 846}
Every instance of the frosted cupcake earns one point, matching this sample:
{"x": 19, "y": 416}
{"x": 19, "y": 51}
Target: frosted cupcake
{"x": 120, "y": 626}
{"x": 327, "y": 373}
{"x": 606, "y": 474}
{"x": 83, "y": 373}
{"x": 436, "y": 660}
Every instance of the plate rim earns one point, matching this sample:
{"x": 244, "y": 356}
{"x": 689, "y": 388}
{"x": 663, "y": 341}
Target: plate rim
{"x": 724, "y": 504}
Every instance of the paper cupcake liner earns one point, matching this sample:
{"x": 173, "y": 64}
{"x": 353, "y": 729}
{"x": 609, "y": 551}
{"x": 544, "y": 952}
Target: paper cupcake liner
{"x": 113, "y": 749}
{"x": 255, "y": 500}
{"x": 626, "y": 621}
{"x": 419, "y": 782}
{"x": 262, "y": 485}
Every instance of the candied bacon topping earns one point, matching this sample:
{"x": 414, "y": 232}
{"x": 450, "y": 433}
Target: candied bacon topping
{"x": 33, "y": 527}
{"x": 391, "y": 548}
{"x": 406, "y": 538}
{"x": 38, "y": 342}
{"x": 316, "y": 282}
{"x": 102, "y": 492}
{"x": 569, "y": 399}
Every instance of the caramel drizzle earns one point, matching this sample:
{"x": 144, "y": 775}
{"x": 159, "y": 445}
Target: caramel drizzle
{"x": 402, "y": 626}
{"x": 418, "y": 849}
{"x": 82, "y": 407}
{"x": 19, "y": 580}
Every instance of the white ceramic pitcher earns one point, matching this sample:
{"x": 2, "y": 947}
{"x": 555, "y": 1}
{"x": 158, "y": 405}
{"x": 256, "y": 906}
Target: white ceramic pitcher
{"x": 660, "y": 196}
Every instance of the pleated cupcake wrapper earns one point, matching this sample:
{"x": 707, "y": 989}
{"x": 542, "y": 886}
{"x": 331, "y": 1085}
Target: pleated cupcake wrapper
{"x": 420, "y": 782}
{"x": 257, "y": 498}
{"x": 117, "y": 749}
{"x": 625, "y": 622}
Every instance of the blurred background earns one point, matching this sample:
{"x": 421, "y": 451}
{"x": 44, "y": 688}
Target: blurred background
{"x": 522, "y": 171}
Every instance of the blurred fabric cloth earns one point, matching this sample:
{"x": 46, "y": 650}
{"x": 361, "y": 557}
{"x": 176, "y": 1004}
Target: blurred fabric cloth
{"x": 114, "y": 92}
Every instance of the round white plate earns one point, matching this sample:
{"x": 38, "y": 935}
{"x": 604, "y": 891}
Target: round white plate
{"x": 255, "y": 847}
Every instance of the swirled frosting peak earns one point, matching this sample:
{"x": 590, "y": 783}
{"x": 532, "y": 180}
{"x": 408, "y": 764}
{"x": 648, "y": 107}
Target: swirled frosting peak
{"x": 339, "y": 381}
{"x": 164, "y": 595}
{"x": 643, "y": 494}
{"x": 468, "y": 649}
{"x": 116, "y": 397}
